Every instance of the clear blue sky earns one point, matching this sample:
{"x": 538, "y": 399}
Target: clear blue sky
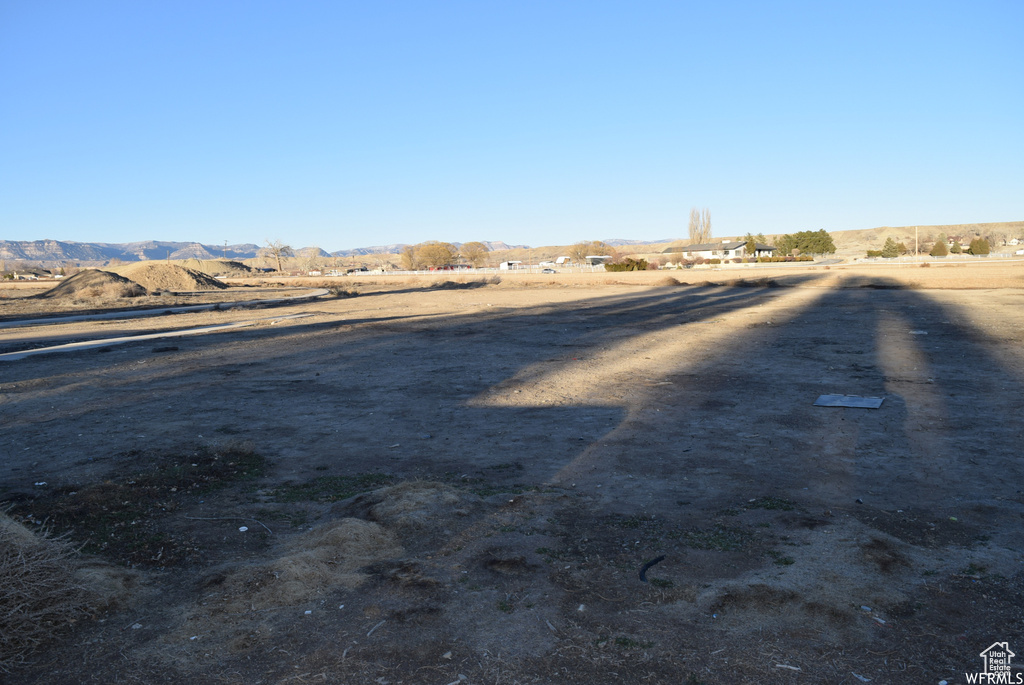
{"x": 346, "y": 124}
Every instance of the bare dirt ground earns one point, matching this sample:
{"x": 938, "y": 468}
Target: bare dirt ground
{"x": 30, "y": 302}
{"x": 462, "y": 484}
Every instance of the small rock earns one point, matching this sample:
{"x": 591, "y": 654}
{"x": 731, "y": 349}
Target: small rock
{"x": 446, "y": 655}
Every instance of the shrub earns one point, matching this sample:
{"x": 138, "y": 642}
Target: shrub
{"x": 714, "y": 261}
{"x": 979, "y": 246}
{"x": 40, "y": 592}
{"x": 629, "y": 264}
{"x": 939, "y": 250}
{"x": 874, "y": 253}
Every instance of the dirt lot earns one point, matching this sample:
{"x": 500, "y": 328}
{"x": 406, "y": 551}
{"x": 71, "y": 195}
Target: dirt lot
{"x": 462, "y": 483}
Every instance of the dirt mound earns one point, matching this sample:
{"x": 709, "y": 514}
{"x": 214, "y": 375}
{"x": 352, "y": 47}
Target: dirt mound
{"x": 415, "y": 504}
{"x": 94, "y": 283}
{"x": 465, "y": 285}
{"x": 164, "y": 276}
{"x": 325, "y": 558}
{"x": 218, "y": 268}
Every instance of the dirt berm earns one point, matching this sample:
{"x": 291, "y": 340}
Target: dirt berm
{"x": 94, "y": 283}
{"x": 162, "y": 276}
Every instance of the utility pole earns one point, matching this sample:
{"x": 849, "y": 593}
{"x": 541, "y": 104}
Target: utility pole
{"x": 225, "y": 253}
{"x": 917, "y": 245}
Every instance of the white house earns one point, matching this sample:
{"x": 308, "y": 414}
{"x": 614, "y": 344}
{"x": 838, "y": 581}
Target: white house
{"x": 724, "y": 250}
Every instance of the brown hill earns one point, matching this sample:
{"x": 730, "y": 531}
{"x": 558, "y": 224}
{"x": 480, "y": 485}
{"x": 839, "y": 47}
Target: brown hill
{"x": 163, "y": 276}
{"x": 94, "y": 283}
{"x": 858, "y": 241}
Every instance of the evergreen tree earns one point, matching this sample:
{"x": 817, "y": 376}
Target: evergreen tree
{"x": 889, "y": 250}
{"x": 979, "y": 246}
{"x": 940, "y": 249}
{"x": 812, "y": 242}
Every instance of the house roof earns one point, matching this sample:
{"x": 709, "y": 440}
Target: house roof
{"x": 709, "y": 247}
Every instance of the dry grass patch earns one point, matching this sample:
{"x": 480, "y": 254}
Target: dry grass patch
{"x": 415, "y": 504}
{"x": 46, "y": 589}
{"x": 125, "y": 518}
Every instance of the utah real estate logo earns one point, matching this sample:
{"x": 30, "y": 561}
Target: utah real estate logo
{"x": 996, "y": 659}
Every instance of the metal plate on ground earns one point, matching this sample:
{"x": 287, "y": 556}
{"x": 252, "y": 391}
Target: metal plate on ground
{"x": 855, "y": 401}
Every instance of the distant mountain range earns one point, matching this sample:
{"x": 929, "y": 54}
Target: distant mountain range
{"x": 57, "y": 252}
{"x": 395, "y": 248}
{"x": 616, "y": 242}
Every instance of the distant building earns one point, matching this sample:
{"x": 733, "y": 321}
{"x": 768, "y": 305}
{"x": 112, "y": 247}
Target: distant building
{"x": 723, "y": 250}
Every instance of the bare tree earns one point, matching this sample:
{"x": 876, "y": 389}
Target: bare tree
{"x": 580, "y": 251}
{"x": 434, "y": 253}
{"x": 700, "y": 226}
{"x": 277, "y": 249}
{"x": 410, "y": 261}
{"x": 311, "y": 258}
{"x": 475, "y": 253}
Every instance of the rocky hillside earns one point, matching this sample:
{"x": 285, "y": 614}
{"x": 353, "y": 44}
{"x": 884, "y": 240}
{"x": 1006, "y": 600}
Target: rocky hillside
{"x": 56, "y": 252}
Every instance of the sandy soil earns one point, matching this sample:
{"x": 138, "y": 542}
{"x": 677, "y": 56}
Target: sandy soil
{"x": 522, "y": 451}
{"x": 18, "y": 303}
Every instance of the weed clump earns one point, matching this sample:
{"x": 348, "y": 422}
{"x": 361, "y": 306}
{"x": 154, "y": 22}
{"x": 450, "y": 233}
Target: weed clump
{"x": 40, "y": 592}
